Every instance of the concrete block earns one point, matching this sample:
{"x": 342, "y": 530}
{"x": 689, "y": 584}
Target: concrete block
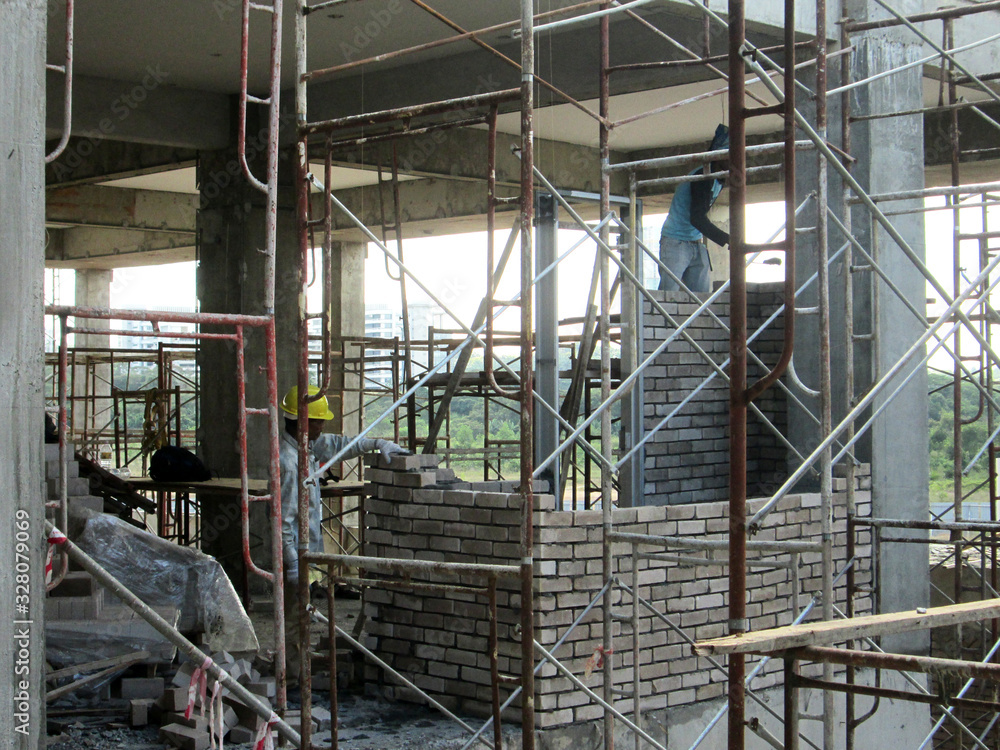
{"x": 240, "y": 735}
{"x": 142, "y": 687}
{"x": 52, "y": 468}
{"x": 241, "y": 671}
{"x": 74, "y": 486}
{"x": 379, "y": 475}
{"x": 264, "y": 687}
{"x": 90, "y": 502}
{"x": 139, "y": 711}
{"x": 230, "y": 718}
{"x": 184, "y": 737}
{"x": 246, "y": 716}
{"x": 182, "y": 678}
{"x": 321, "y": 718}
{"x": 414, "y": 479}
{"x": 404, "y": 463}
{"x": 173, "y": 699}
{"x": 196, "y": 721}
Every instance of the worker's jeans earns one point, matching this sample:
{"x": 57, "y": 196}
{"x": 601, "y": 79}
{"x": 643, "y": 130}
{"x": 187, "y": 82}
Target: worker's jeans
{"x": 689, "y": 260}
{"x": 292, "y": 630}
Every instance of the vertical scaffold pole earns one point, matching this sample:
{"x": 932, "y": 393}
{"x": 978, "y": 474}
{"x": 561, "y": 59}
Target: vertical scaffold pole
{"x": 825, "y": 378}
{"x": 527, "y": 385}
{"x": 737, "y": 369}
{"x": 605, "y": 325}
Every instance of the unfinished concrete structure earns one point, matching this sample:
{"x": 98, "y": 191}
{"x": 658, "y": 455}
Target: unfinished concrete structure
{"x": 169, "y": 101}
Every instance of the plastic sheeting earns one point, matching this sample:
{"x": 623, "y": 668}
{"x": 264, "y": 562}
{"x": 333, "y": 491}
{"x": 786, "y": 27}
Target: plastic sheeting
{"x": 164, "y": 574}
{"x": 69, "y": 642}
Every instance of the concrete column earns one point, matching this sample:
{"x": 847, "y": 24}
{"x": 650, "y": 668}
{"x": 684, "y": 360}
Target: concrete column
{"x": 93, "y": 289}
{"x": 22, "y": 243}
{"x": 230, "y": 279}
{"x": 891, "y": 158}
{"x": 804, "y": 432}
{"x": 547, "y": 334}
{"x": 347, "y": 319}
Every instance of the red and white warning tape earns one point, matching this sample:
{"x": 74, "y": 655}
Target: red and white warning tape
{"x": 198, "y": 686}
{"x": 264, "y": 739}
{"x": 56, "y": 537}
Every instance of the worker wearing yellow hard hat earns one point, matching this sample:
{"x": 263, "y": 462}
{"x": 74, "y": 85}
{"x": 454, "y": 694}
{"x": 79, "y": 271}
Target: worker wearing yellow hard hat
{"x": 322, "y": 448}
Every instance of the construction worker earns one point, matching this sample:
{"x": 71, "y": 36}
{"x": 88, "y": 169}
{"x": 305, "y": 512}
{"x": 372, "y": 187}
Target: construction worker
{"x": 682, "y": 239}
{"x": 322, "y": 447}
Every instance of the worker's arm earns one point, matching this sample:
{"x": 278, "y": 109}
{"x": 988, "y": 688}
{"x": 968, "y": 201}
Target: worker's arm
{"x": 327, "y": 446}
{"x": 702, "y": 199}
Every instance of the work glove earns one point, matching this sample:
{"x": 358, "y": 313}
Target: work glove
{"x": 388, "y": 449}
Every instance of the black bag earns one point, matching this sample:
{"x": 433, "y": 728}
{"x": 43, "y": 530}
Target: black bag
{"x": 51, "y": 430}
{"x": 172, "y": 463}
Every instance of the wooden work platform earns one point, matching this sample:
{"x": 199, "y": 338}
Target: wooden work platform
{"x": 231, "y": 486}
{"x": 776, "y": 640}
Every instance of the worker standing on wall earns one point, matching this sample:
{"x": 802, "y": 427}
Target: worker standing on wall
{"x": 682, "y": 239}
{"x": 322, "y": 447}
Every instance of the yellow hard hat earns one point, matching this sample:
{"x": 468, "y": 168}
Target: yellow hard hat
{"x": 318, "y": 409}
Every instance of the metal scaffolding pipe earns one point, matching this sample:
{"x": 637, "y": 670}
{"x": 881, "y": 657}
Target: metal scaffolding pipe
{"x": 405, "y": 567}
{"x": 67, "y": 70}
{"x": 608, "y": 707}
{"x": 898, "y": 662}
{"x": 855, "y": 26}
{"x": 323, "y": 72}
{"x": 870, "y": 396}
{"x": 416, "y": 110}
{"x": 712, "y": 544}
{"x": 702, "y": 157}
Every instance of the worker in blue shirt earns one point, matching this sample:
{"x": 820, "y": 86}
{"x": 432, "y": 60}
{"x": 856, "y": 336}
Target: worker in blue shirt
{"x": 682, "y": 239}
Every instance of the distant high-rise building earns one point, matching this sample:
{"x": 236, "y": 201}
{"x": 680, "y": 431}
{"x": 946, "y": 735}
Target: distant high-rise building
{"x": 383, "y": 321}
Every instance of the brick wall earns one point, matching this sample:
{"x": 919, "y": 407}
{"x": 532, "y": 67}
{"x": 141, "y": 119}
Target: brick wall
{"x": 688, "y": 459}
{"x": 439, "y": 640}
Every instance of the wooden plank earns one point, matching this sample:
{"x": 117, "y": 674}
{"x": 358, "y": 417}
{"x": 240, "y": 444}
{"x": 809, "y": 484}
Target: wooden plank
{"x": 114, "y": 661}
{"x": 59, "y": 692}
{"x": 231, "y": 486}
{"x": 837, "y": 631}
{"x": 223, "y": 485}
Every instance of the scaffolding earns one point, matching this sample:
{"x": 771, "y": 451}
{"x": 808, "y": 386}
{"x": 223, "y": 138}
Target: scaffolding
{"x": 744, "y": 59}
{"x": 964, "y": 325}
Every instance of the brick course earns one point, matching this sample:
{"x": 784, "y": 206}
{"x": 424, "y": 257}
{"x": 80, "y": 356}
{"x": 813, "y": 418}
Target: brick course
{"x": 687, "y": 460}
{"x": 440, "y": 639}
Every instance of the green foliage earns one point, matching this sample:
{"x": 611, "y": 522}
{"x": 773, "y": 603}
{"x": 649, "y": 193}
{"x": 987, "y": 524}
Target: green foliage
{"x": 941, "y": 438}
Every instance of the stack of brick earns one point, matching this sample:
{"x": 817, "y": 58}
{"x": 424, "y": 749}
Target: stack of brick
{"x": 82, "y": 620}
{"x": 440, "y": 640}
{"x": 77, "y": 487}
{"x": 688, "y": 459}
{"x": 240, "y": 724}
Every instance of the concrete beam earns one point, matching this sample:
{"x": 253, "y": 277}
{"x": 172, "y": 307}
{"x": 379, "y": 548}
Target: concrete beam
{"x": 151, "y": 110}
{"x": 97, "y": 247}
{"x": 89, "y": 160}
{"x": 570, "y": 55}
{"x": 461, "y": 153}
{"x": 122, "y": 208}
{"x": 978, "y": 140}
{"x": 431, "y": 207}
